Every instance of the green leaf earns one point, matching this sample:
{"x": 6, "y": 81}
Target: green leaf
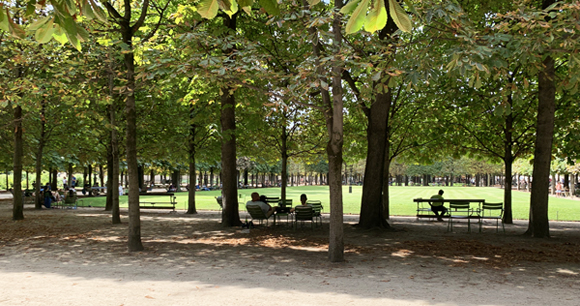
{"x": 228, "y": 7}
{"x": 208, "y": 9}
{"x": 377, "y": 17}
{"x": 29, "y": 9}
{"x": 15, "y": 29}
{"x": 271, "y": 7}
{"x": 71, "y": 7}
{"x": 245, "y": 3}
{"x": 59, "y": 35}
{"x": 39, "y": 23}
{"x": 399, "y": 16}
{"x": 224, "y": 5}
{"x": 44, "y": 34}
{"x": 82, "y": 34}
{"x": 248, "y": 10}
{"x": 313, "y": 2}
{"x": 349, "y": 8}
{"x": 87, "y": 10}
{"x": 70, "y": 27}
{"x": 4, "y": 16}
{"x": 357, "y": 19}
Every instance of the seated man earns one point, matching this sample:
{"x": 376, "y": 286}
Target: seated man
{"x": 266, "y": 208}
{"x": 437, "y": 207}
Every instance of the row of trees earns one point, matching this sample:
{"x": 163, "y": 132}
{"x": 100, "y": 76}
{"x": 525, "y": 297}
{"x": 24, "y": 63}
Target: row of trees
{"x": 215, "y": 80}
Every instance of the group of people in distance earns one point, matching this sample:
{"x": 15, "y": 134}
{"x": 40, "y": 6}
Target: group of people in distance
{"x": 267, "y": 208}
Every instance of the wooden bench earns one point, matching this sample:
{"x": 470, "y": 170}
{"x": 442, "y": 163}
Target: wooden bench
{"x": 158, "y": 204}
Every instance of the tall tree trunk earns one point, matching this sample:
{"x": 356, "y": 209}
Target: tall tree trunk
{"x": 284, "y": 149}
{"x": 17, "y": 201}
{"x": 127, "y": 31}
{"x": 54, "y": 181}
{"x": 191, "y": 209}
{"x": 334, "y": 148}
{"x": 508, "y": 161}
{"x": 372, "y": 195}
{"x": 109, "y": 203}
{"x": 141, "y": 176}
{"x": 90, "y": 174}
{"x": 101, "y": 175}
{"x": 69, "y": 175}
{"x": 115, "y": 183}
{"x": 538, "y": 224}
{"x": 386, "y": 209}
{"x": 230, "y": 214}
{"x": 39, "y": 155}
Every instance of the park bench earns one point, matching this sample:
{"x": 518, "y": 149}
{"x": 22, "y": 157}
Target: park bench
{"x": 170, "y": 204}
{"x": 424, "y": 208}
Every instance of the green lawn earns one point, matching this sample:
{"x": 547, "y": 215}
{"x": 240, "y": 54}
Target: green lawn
{"x": 401, "y": 199}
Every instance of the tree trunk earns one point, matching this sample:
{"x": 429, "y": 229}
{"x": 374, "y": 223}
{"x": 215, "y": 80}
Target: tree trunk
{"x": 101, "y": 175}
{"x": 54, "y": 181}
{"x": 508, "y": 162}
{"x": 90, "y": 174}
{"x": 284, "y": 149}
{"x": 191, "y": 209}
{"x": 141, "y": 176}
{"x": 39, "y": 156}
{"x": 115, "y": 183}
{"x": 372, "y": 196}
{"x": 230, "y": 214}
{"x": 134, "y": 238}
{"x": 538, "y": 223}
{"x": 17, "y": 201}
{"x": 109, "y": 202}
{"x": 386, "y": 209}
{"x": 334, "y": 148}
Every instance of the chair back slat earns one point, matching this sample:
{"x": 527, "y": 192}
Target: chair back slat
{"x": 256, "y": 212}
{"x": 316, "y": 206}
{"x": 459, "y": 205}
{"x": 285, "y": 203}
{"x": 492, "y": 206}
{"x": 303, "y": 213}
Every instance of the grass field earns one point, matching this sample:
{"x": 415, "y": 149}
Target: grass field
{"x": 401, "y": 198}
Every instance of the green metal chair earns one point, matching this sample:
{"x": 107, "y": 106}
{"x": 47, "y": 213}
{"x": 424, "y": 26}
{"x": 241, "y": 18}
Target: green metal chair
{"x": 70, "y": 200}
{"x": 492, "y": 211}
{"x": 459, "y": 210}
{"x": 303, "y": 213}
{"x": 256, "y": 213}
{"x": 317, "y": 209}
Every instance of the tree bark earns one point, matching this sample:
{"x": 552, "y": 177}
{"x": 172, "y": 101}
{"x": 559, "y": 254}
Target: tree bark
{"x": 538, "y": 225}
{"x": 334, "y": 148}
{"x": 284, "y": 149}
{"x": 17, "y": 201}
{"x": 114, "y": 172}
{"x": 372, "y": 196}
{"x": 191, "y": 209}
{"x": 230, "y": 214}
{"x": 109, "y": 203}
{"x": 508, "y": 162}
{"x": 39, "y": 156}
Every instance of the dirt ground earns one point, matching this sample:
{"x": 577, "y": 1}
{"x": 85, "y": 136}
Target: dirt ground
{"x": 77, "y": 257}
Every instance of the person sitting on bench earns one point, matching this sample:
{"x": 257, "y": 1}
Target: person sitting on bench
{"x": 437, "y": 207}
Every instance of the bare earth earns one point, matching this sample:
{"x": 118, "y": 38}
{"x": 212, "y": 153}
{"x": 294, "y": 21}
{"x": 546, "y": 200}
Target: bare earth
{"x": 77, "y": 257}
